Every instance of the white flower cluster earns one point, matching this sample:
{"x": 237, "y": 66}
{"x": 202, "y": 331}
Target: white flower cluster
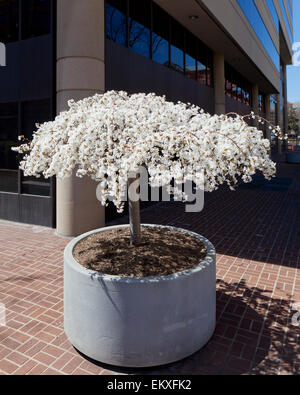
{"x": 106, "y": 136}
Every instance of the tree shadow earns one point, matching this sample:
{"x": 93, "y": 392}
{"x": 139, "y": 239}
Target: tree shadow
{"x": 258, "y": 225}
{"x": 253, "y": 335}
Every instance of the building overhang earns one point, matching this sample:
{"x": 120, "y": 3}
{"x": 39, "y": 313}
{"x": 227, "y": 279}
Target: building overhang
{"x": 210, "y": 30}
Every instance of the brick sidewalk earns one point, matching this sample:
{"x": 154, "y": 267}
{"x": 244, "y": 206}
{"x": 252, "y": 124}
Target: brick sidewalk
{"x": 256, "y": 233}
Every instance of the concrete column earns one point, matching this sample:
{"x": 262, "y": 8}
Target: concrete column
{"x": 80, "y": 73}
{"x": 255, "y": 102}
{"x": 219, "y": 83}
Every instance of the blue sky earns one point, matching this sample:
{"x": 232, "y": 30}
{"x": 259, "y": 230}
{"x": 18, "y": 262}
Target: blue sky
{"x": 293, "y": 76}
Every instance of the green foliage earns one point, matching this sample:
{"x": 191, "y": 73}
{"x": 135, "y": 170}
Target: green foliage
{"x": 293, "y": 120}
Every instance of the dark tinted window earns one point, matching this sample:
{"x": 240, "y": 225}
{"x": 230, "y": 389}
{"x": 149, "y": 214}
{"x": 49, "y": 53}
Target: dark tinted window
{"x": 261, "y": 102}
{"x": 201, "y": 63}
{"x": 9, "y": 20}
{"x": 190, "y": 56}
{"x": 130, "y": 23}
{"x": 273, "y": 110}
{"x": 36, "y": 18}
{"x": 139, "y": 26}
{"x": 236, "y": 85}
{"x": 8, "y": 139}
{"x": 177, "y": 47}
{"x": 116, "y": 21}
{"x": 35, "y": 112}
{"x": 228, "y": 88}
{"x": 160, "y": 36}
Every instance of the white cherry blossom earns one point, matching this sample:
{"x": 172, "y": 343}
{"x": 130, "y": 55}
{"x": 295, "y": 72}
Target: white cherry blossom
{"x": 108, "y": 135}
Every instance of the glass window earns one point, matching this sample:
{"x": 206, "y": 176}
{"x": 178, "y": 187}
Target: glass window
{"x": 139, "y": 26}
{"x": 8, "y": 139}
{"x": 9, "y": 20}
{"x": 251, "y": 12}
{"x": 247, "y": 98}
{"x": 290, "y": 10}
{"x": 35, "y": 112}
{"x": 239, "y": 94}
{"x": 201, "y": 73}
{"x": 190, "y": 56}
{"x": 177, "y": 47}
{"x": 236, "y": 85}
{"x": 286, "y": 20}
{"x": 209, "y": 76}
{"x": 234, "y": 91}
{"x": 36, "y": 18}
{"x": 160, "y": 36}
{"x": 201, "y": 64}
{"x": 116, "y": 21}
{"x": 228, "y": 88}
{"x": 273, "y": 12}
{"x": 273, "y": 110}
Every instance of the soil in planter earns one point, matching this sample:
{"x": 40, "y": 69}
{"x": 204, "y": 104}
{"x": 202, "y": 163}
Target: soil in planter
{"x": 161, "y": 252}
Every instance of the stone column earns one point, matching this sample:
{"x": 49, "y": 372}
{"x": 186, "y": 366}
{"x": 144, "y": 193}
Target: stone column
{"x": 255, "y": 102}
{"x": 80, "y": 73}
{"x": 219, "y": 83}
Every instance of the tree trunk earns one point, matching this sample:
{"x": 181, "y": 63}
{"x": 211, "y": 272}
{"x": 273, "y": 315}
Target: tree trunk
{"x": 134, "y": 213}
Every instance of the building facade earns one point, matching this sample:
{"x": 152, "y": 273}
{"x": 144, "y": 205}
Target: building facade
{"x": 224, "y": 56}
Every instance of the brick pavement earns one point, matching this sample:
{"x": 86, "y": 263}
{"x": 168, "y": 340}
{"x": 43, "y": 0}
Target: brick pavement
{"x": 257, "y": 236}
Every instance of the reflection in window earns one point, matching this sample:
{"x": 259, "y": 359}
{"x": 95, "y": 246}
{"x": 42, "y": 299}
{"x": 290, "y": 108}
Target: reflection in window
{"x": 160, "y": 36}
{"x": 239, "y": 94}
{"x": 273, "y": 110}
{"x": 261, "y": 102}
{"x": 139, "y": 26}
{"x": 116, "y": 21}
{"x": 190, "y": 56}
{"x": 290, "y": 11}
{"x": 286, "y": 20}
{"x": 236, "y": 86}
{"x": 201, "y": 73}
{"x": 202, "y": 63}
{"x": 190, "y": 67}
{"x": 148, "y": 30}
{"x": 209, "y": 76}
{"x": 228, "y": 88}
{"x": 234, "y": 91}
{"x": 35, "y": 112}
{"x": 36, "y": 18}
{"x": 9, "y": 20}
{"x": 251, "y": 12}
{"x": 177, "y": 47}
{"x": 273, "y": 12}
{"x": 8, "y": 139}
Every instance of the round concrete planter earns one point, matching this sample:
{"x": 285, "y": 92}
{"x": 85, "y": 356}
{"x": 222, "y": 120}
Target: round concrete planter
{"x": 139, "y": 322}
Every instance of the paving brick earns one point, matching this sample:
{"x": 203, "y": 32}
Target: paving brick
{"x": 256, "y": 233}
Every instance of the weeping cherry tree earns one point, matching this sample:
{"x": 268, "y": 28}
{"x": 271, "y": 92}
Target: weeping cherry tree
{"x": 109, "y": 136}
